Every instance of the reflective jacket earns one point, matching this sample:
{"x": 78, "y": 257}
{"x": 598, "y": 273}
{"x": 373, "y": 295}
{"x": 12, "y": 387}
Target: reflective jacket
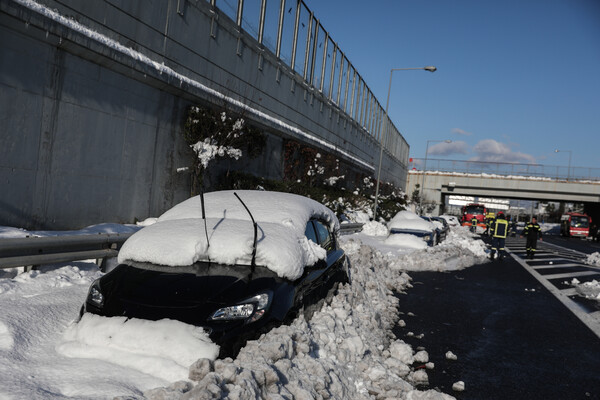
{"x": 499, "y": 228}
{"x": 532, "y": 230}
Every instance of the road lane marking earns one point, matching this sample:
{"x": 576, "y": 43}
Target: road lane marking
{"x": 570, "y": 274}
{"x": 590, "y": 319}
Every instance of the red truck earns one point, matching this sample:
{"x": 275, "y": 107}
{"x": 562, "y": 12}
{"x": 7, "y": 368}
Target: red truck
{"x": 575, "y": 224}
{"x": 473, "y": 210}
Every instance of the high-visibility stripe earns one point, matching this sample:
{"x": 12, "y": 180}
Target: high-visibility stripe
{"x": 500, "y": 228}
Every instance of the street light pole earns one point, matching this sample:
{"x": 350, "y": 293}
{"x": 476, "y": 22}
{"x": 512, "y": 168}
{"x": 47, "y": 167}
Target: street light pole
{"x": 383, "y": 130}
{"x": 424, "y": 167}
{"x": 569, "y": 170}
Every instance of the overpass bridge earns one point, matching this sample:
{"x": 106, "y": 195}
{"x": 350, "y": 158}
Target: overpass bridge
{"x": 442, "y": 178}
{"x": 94, "y": 95}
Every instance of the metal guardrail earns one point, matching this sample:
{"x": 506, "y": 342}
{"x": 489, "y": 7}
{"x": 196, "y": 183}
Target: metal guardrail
{"x": 346, "y": 229}
{"x": 29, "y": 252}
{"x": 32, "y": 251}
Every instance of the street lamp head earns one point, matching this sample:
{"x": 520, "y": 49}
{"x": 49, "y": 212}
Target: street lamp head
{"x": 430, "y": 68}
{"x": 556, "y": 151}
{"x": 447, "y": 141}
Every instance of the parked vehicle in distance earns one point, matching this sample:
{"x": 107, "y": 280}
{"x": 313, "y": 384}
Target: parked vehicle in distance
{"x": 445, "y": 227}
{"x": 473, "y": 210}
{"x": 438, "y": 228}
{"x": 575, "y": 225}
{"x": 234, "y": 263}
{"x": 451, "y": 220}
{"x": 407, "y": 222}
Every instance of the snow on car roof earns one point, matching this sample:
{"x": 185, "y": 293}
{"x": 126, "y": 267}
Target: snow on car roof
{"x": 178, "y": 237}
{"x": 408, "y": 220}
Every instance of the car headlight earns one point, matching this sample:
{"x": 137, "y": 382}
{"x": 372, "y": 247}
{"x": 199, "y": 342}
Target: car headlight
{"x": 426, "y": 238}
{"x": 251, "y": 309}
{"x": 95, "y": 295}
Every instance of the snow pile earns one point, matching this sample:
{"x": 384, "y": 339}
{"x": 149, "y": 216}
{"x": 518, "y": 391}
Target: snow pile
{"x": 593, "y": 259}
{"x": 164, "y": 348}
{"x": 406, "y": 241}
{"x": 590, "y": 290}
{"x": 359, "y": 217}
{"x": 458, "y": 251}
{"x": 550, "y": 228}
{"x": 345, "y": 351}
{"x": 181, "y": 236}
{"x": 374, "y": 228}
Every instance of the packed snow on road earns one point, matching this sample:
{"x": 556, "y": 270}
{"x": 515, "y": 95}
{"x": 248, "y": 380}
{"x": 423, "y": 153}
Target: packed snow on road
{"x": 345, "y": 351}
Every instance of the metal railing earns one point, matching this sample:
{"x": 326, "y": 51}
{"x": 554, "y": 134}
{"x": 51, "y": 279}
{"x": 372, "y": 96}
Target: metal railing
{"x": 291, "y": 31}
{"x": 29, "y": 252}
{"x": 346, "y": 229}
{"x": 507, "y": 169}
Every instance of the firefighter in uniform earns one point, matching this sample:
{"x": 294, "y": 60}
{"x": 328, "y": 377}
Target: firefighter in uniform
{"x": 499, "y": 229}
{"x": 532, "y": 231}
{"x": 474, "y": 224}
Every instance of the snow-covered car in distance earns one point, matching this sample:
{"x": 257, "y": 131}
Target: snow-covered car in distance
{"x": 407, "y": 222}
{"x": 451, "y": 220}
{"x": 234, "y": 263}
{"x": 439, "y": 228}
{"x": 444, "y": 229}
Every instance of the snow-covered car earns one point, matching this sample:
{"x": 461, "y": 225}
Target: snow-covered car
{"x": 451, "y": 220}
{"x": 234, "y": 263}
{"x": 407, "y": 222}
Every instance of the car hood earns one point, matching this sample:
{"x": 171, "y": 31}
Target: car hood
{"x": 189, "y": 293}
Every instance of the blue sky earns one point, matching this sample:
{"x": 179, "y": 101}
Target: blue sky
{"x": 516, "y": 79}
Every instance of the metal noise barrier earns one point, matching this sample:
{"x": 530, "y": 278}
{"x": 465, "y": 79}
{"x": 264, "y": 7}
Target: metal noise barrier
{"x": 32, "y": 251}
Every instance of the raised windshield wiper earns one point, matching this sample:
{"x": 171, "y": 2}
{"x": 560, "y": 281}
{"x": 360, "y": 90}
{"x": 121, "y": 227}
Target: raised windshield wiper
{"x": 205, "y": 228}
{"x": 253, "y": 262}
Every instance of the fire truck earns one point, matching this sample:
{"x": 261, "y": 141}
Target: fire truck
{"x": 575, "y": 224}
{"x": 473, "y": 210}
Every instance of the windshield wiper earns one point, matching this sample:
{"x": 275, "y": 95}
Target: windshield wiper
{"x": 253, "y": 262}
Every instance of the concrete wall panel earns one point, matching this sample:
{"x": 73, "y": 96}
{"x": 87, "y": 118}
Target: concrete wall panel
{"x": 92, "y": 133}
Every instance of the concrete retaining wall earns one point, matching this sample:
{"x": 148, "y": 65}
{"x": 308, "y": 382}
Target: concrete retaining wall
{"x": 92, "y": 124}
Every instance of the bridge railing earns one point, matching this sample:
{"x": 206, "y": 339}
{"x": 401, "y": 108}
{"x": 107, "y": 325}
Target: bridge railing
{"x": 506, "y": 169}
{"x": 291, "y": 31}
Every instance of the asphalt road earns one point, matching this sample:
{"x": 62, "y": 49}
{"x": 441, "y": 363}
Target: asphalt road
{"x": 512, "y": 337}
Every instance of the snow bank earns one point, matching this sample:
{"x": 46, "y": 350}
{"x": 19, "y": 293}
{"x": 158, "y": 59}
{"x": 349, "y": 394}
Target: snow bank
{"x": 374, "y": 228}
{"x": 406, "y": 241}
{"x": 345, "y": 351}
{"x": 164, "y": 348}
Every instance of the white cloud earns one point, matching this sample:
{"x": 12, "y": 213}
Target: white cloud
{"x": 492, "y": 151}
{"x": 459, "y": 131}
{"x": 445, "y": 149}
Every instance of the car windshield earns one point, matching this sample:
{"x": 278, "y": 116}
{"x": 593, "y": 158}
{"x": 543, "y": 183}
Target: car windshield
{"x": 476, "y": 210}
{"x": 579, "y": 222}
